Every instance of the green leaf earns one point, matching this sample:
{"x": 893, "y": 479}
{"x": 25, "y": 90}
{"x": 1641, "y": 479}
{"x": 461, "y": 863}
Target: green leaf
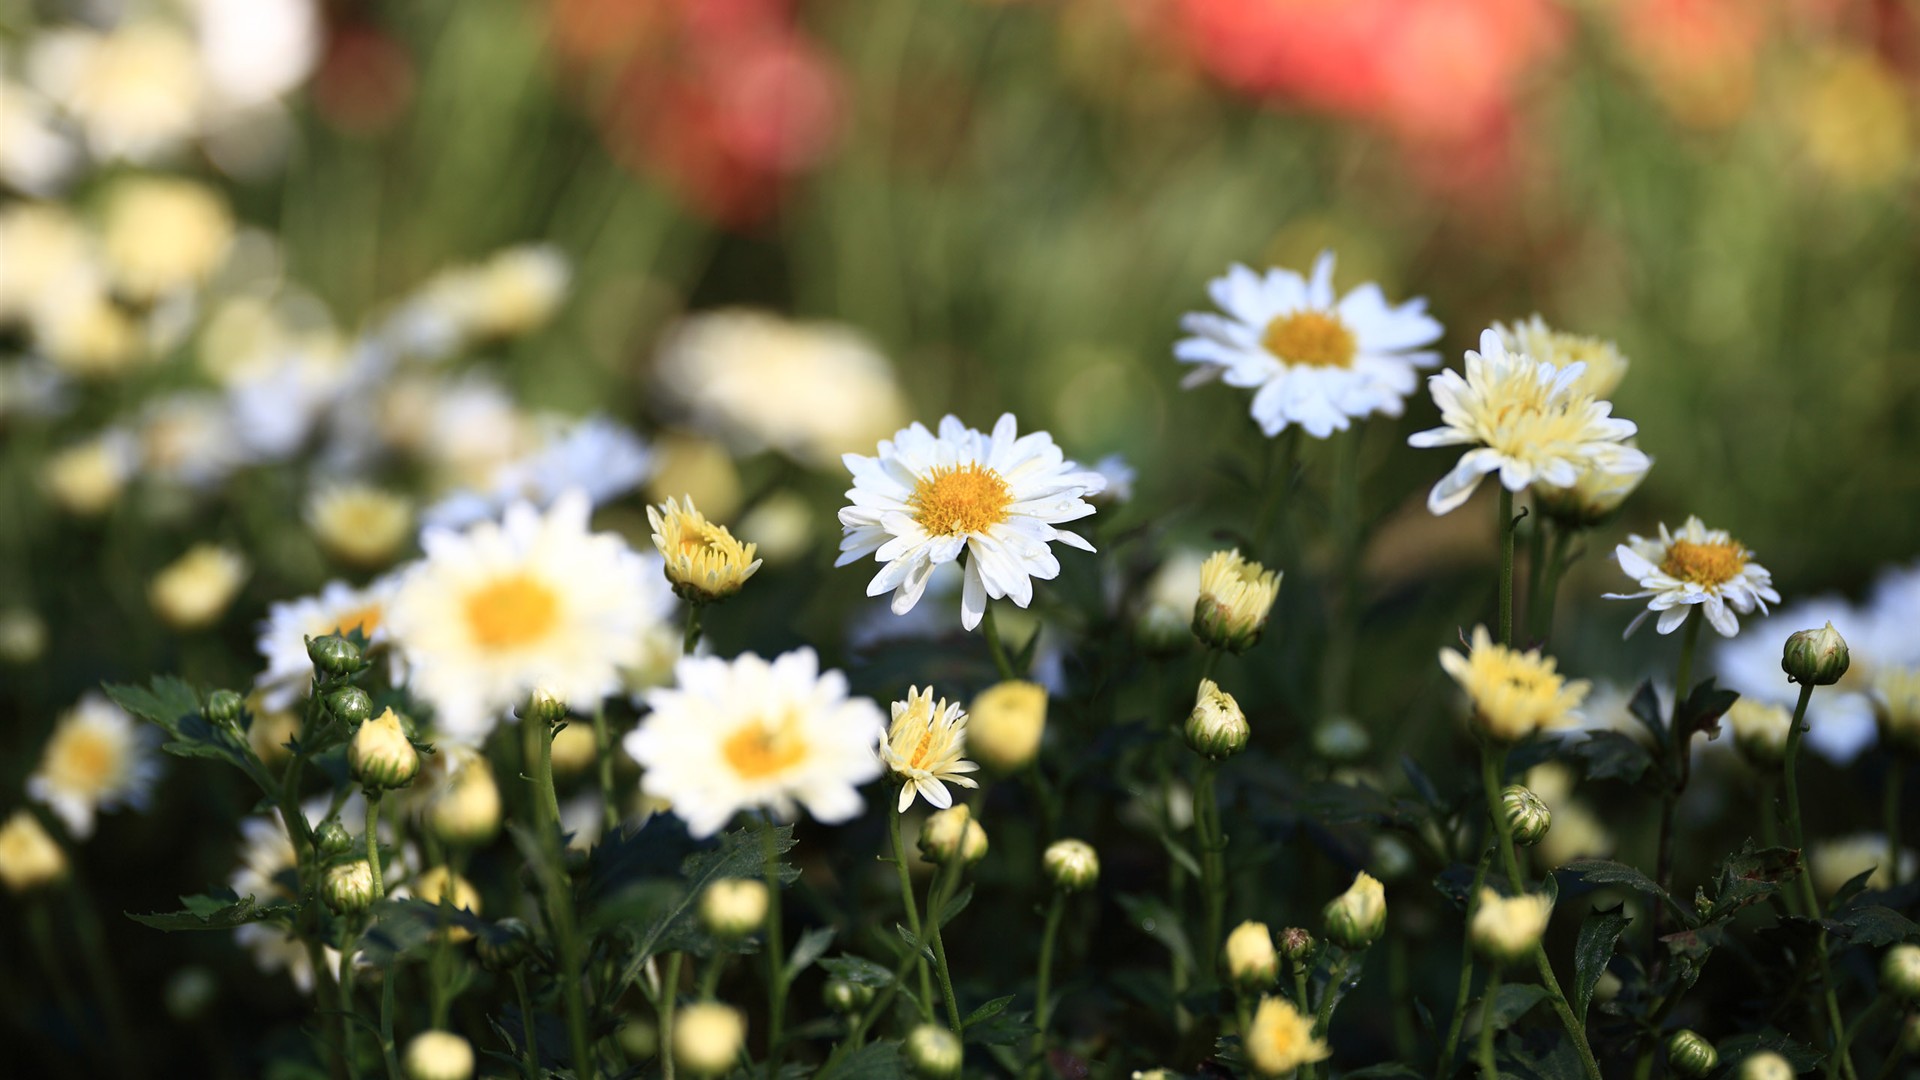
{"x": 1384, "y": 1072}
{"x": 1598, "y": 936}
{"x": 1871, "y": 924}
{"x": 742, "y": 853}
{"x": 956, "y": 905}
{"x": 1003, "y": 1028}
{"x": 216, "y": 913}
{"x": 1749, "y": 876}
{"x": 1611, "y": 755}
{"x": 857, "y": 970}
{"x": 1802, "y": 1057}
{"x": 1511, "y": 1002}
{"x": 173, "y": 705}
{"x": 1158, "y": 921}
{"x": 990, "y": 1009}
{"x": 811, "y": 946}
{"x": 874, "y": 1061}
{"x": 1645, "y": 708}
{"x": 1704, "y": 707}
{"x": 165, "y": 701}
{"x": 1607, "y": 872}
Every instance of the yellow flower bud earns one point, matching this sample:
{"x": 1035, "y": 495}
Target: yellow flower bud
{"x": 1252, "y": 963}
{"x": 380, "y": 755}
{"x": 1760, "y": 731}
{"x": 1356, "y": 918}
{"x": 465, "y": 810}
{"x": 1071, "y": 865}
{"x": 194, "y": 591}
{"x": 574, "y": 749}
{"x": 951, "y": 832}
{"x": 1236, "y": 595}
{"x": 934, "y": 1052}
{"x": 359, "y": 524}
{"x": 1005, "y": 724}
{"x": 708, "y": 1037}
{"x": 734, "y": 907}
{"x": 29, "y": 858}
{"x": 86, "y": 479}
{"x": 704, "y": 561}
{"x": 1216, "y": 727}
{"x": 1504, "y": 929}
{"x": 1815, "y": 657}
{"x": 439, "y": 1055}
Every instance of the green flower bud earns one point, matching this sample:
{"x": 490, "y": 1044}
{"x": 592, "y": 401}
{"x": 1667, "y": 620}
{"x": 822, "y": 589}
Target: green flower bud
{"x": 350, "y": 704}
{"x": 1356, "y": 918}
{"x": 846, "y": 998}
{"x": 380, "y": 754}
{"x": 503, "y": 949}
{"x": 1071, "y": 864}
{"x": 224, "y": 708}
{"x": 333, "y": 839}
{"x": 1216, "y": 727}
{"x": 1815, "y": 657}
{"x": 1527, "y": 816}
{"x": 348, "y": 887}
{"x": 1298, "y": 947}
{"x": 1691, "y": 1055}
{"x": 544, "y": 707}
{"x": 934, "y": 1052}
{"x": 334, "y": 656}
{"x": 639, "y": 1038}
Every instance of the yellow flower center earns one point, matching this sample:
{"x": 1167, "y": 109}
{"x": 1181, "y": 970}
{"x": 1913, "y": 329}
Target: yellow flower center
{"x": 760, "y": 750}
{"x": 1704, "y": 564}
{"x": 967, "y": 499}
{"x": 87, "y": 761}
{"x": 1314, "y": 338}
{"x": 511, "y": 611}
{"x": 366, "y": 620}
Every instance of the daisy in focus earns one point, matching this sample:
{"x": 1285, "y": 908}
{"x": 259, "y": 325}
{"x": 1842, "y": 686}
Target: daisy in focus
{"x": 338, "y": 609}
{"x": 922, "y": 748}
{"x": 533, "y": 601}
{"x": 1311, "y": 358}
{"x": 704, "y": 561}
{"x": 1514, "y": 693}
{"x": 748, "y": 733}
{"x": 1526, "y": 420}
{"x": 926, "y": 498}
{"x": 1695, "y": 566}
{"x": 97, "y": 759}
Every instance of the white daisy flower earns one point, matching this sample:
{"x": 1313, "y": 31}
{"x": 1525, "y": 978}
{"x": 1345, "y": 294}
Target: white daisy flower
{"x": 1311, "y": 358}
{"x": 339, "y": 608}
{"x": 594, "y": 455}
{"x": 492, "y": 613}
{"x": 98, "y": 758}
{"x": 923, "y": 745}
{"x": 742, "y": 734}
{"x": 1695, "y": 566}
{"x": 1882, "y": 635}
{"x": 1605, "y": 364}
{"x": 925, "y": 499}
{"x": 1527, "y": 420}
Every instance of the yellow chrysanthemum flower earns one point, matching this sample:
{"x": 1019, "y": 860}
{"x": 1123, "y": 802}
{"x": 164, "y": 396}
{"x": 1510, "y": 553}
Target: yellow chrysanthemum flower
{"x": 704, "y": 561}
{"x": 923, "y": 745}
{"x": 1280, "y": 1039}
{"x": 1514, "y": 693}
{"x": 1236, "y": 594}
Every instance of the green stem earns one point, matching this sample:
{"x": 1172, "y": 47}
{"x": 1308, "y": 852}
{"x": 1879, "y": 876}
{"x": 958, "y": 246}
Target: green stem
{"x": 105, "y": 984}
{"x": 936, "y": 903}
{"x": 387, "y": 1052}
{"x": 1209, "y": 659}
{"x": 1300, "y": 999}
{"x": 373, "y": 841}
{"x": 913, "y": 917}
{"x": 1680, "y": 751}
{"x": 710, "y": 978}
{"x": 1867, "y": 1018}
{"x": 40, "y": 931}
{"x": 538, "y": 737}
{"x": 603, "y": 745}
{"x": 691, "y": 639}
{"x": 776, "y": 950}
{"x": 1556, "y": 568}
{"x": 663, "y": 1006}
{"x": 1330, "y": 997}
{"x": 1506, "y": 566}
{"x": 1279, "y": 483}
{"x": 1452, "y": 1046}
{"x": 1487, "y": 1026}
{"x": 1206, "y": 816}
{"x": 1838, "y": 1063}
{"x": 348, "y": 1036}
{"x": 1536, "y": 574}
{"x": 991, "y": 628}
{"x": 1043, "y": 982}
{"x": 1337, "y": 672}
{"x": 529, "y": 1028}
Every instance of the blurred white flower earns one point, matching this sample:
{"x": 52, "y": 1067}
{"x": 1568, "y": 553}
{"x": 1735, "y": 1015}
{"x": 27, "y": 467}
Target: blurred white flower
{"x": 593, "y": 455}
{"x": 1311, "y": 358}
{"x": 36, "y": 156}
{"x": 188, "y": 438}
{"x": 254, "y": 51}
{"x": 98, "y": 758}
{"x": 136, "y": 91}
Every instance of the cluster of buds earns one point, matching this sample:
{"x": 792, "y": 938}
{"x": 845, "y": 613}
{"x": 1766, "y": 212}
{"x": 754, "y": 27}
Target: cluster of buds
{"x": 1072, "y": 865}
{"x": 952, "y": 834}
{"x": 1356, "y": 918}
{"x": 1528, "y": 818}
{"x": 1236, "y": 595}
{"x": 1216, "y": 727}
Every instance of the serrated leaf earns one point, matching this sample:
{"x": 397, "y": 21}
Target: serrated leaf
{"x": 811, "y": 946}
{"x": 1611, "y": 755}
{"x": 990, "y": 1009}
{"x": 1598, "y": 936}
{"x": 874, "y": 1061}
{"x": 209, "y": 913}
{"x": 1871, "y": 924}
{"x": 1854, "y": 886}
{"x": 1607, "y": 872}
{"x": 1749, "y": 876}
{"x": 163, "y": 701}
{"x": 1003, "y": 1028}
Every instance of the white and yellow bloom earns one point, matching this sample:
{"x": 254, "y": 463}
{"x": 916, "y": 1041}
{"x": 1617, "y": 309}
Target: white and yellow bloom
{"x": 1605, "y": 364}
{"x": 927, "y": 498}
{"x": 1527, "y": 420}
{"x": 160, "y": 235}
{"x": 339, "y": 608}
{"x": 537, "y": 600}
{"x": 1514, "y": 694}
{"x": 1280, "y": 1039}
{"x": 1311, "y": 358}
{"x": 98, "y": 758}
{"x": 923, "y": 745}
{"x": 704, "y": 560}
{"x": 193, "y": 591}
{"x": 1695, "y": 566}
{"x": 1506, "y": 928}
{"x": 748, "y": 733}
{"x": 359, "y": 523}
